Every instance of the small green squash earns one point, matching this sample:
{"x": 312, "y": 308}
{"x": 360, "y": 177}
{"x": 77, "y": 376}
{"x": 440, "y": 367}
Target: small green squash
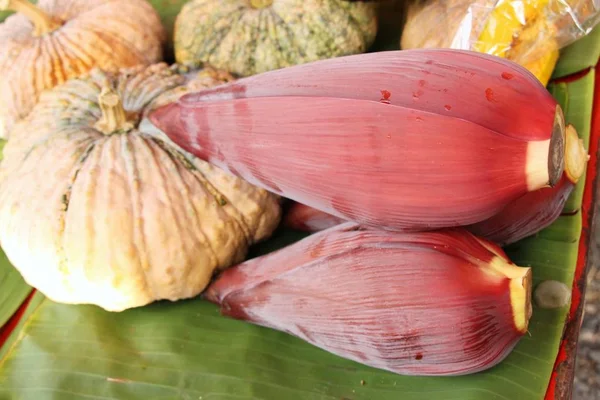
{"x": 246, "y": 37}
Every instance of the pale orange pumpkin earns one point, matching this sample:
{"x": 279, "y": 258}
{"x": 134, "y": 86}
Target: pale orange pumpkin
{"x": 46, "y": 44}
{"x": 97, "y": 206}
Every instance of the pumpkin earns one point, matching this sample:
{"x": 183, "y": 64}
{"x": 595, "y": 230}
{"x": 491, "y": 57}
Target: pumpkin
{"x": 96, "y": 210}
{"x": 246, "y": 37}
{"x": 46, "y": 44}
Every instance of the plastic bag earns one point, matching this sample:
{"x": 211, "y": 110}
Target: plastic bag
{"x": 529, "y": 32}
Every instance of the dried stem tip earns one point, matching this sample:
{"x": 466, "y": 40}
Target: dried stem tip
{"x": 258, "y": 4}
{"x": 519, "y": 289}
{"x": 42, "y": 22}
{"x": 548, "y": 174}
{"x": 114, "y": 118}
{"x": 556, "y": 157}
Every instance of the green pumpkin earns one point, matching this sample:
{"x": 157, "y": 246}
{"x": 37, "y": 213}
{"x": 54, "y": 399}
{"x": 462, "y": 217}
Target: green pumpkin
{"x": 246, "y": 37}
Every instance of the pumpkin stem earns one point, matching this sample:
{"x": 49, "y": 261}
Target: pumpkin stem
{"x": 260, "y": 3}
{"x": 42, "y": 22}
{"x": 114, "y": 118}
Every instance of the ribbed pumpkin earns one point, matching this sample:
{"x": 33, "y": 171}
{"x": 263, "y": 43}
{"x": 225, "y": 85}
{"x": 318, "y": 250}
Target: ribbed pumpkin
{"x": 46, "y": 44}
{"x": 247, "y": 37}
{"x": 95, "y": 210}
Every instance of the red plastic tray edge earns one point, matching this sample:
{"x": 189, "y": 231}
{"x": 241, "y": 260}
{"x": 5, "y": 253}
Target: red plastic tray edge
{"x": 561, "y": 381}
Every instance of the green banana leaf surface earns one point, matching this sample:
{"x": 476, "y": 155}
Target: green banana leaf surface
{"x": 187, "y": 350}
{"x": 582, "y": 54}
{"x": 13, "y": 289}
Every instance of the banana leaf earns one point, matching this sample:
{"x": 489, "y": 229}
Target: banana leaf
{"x": 13, "y": 289}
{"x": 580, "y": 55}
{"x": 187, "y": 350}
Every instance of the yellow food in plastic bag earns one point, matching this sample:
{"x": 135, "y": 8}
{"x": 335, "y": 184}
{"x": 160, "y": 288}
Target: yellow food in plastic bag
{"x": 529, "y": 32}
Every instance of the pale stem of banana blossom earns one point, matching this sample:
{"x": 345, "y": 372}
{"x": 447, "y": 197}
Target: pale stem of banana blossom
{"x": 519, "y": 286}
{"x": 576, "y": 156}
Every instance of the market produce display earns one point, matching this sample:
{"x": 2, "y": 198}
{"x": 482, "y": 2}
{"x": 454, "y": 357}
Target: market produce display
{"x": 249, "y": 37}
{"x": 45, "y": 45}
{"x": 426, "y": 189}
